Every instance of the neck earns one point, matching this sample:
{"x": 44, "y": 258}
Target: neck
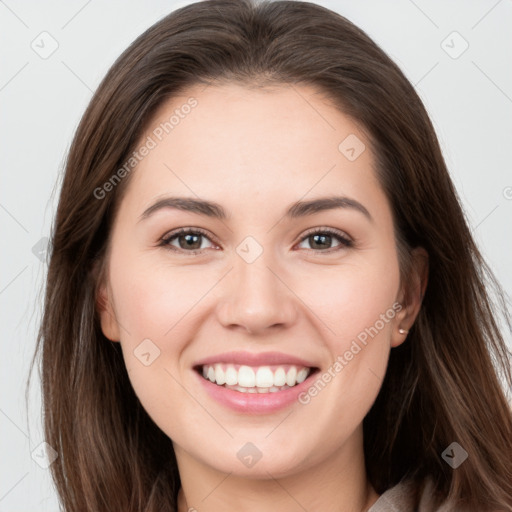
{"x": 336, "y": 483}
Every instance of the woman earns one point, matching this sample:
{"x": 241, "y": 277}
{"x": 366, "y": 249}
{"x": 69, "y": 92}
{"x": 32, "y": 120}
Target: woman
{"x": 263, "y": 291}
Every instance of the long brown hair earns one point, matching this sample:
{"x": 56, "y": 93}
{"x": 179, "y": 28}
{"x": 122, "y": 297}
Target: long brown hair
{"x": 442, "y": 385}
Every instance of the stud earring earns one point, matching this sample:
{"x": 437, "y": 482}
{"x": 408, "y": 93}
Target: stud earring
{"x": 403, "y": 331}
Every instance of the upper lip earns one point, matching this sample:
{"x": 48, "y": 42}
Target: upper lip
{"x": 255, "y": 359}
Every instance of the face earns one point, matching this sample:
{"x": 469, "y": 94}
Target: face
{"x": 288, "y": 302}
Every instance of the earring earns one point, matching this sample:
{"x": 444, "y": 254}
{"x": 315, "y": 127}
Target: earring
{"x": 403, "y": 331}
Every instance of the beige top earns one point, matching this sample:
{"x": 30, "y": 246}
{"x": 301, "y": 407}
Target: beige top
{"x": 400, "y": 499}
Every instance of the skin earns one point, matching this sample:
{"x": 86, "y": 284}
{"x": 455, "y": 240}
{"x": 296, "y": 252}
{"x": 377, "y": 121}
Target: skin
{"x": 256, "y": 152}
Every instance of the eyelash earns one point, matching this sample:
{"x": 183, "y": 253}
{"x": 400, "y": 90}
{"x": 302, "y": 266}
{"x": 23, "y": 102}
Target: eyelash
{"x": 344, "y": 240}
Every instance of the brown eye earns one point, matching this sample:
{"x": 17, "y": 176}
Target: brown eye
{"x": 322, "y": 240}
{"x": 187, "y": 240}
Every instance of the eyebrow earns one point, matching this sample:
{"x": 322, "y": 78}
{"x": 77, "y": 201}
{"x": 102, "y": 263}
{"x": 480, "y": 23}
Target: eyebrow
{"x": 296, "y": 210}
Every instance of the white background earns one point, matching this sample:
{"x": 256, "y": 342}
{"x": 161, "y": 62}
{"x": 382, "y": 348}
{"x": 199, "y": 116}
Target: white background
{"x": 41, "y": 101}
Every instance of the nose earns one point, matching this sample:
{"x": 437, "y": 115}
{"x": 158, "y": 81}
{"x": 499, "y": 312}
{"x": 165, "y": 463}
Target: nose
{"x": 256, "y": 298}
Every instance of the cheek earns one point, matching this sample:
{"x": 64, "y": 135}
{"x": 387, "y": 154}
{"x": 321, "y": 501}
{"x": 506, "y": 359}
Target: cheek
{"x": 356, "y": 305}
{"x": 155, "y": 300}
{"x": 155, "y": 305}
{"x": 350, "y": 298}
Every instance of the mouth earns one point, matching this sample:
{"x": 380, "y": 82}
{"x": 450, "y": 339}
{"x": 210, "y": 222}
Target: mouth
{"x": 255, "y": 379}
{"x": 254, "y": 383}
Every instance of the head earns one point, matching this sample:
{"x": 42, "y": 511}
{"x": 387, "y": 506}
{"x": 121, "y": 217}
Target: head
{"x": 233, "y": 108}
{"x": 257, "y": 153}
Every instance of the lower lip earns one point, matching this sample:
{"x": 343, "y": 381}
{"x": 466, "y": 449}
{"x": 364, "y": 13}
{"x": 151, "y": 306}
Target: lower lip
{"x": 254, "y": 403}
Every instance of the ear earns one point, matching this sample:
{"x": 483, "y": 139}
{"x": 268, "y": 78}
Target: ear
{"x": 411, "y": 296}
{"x": 105, "y": 308}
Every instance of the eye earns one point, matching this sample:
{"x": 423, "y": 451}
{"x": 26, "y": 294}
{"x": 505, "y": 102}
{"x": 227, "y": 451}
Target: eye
{"x": 320, "y": 240}
{"x": 191, "y": 240}
{"x": 188, "y": 240}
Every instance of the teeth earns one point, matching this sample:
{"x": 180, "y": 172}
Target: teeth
{"x": 231, "y": 376}
{"x": 279, "y": 377}
{"x": 246, "y": 377}
{"x": 263, "y": 379}
{"x": 291, "y": 376}
{"x": 220, "y": 376}
{"x": 301, "y": 375}
{"x": 273, "y": 389}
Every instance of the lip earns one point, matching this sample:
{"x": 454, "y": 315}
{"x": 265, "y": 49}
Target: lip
{"x": 255, "y": 359}
{"x": 255, "y": 403}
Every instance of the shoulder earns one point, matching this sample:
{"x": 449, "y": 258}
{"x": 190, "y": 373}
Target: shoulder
{"x": 406, "y": 497}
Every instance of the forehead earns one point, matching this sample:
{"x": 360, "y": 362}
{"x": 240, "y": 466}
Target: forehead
{"x": 233, "y": 143}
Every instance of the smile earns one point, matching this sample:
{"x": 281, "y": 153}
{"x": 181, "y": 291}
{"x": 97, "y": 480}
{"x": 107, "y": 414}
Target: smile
{"x": 252, "y": 383}
{"x": 262, "y": 379}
